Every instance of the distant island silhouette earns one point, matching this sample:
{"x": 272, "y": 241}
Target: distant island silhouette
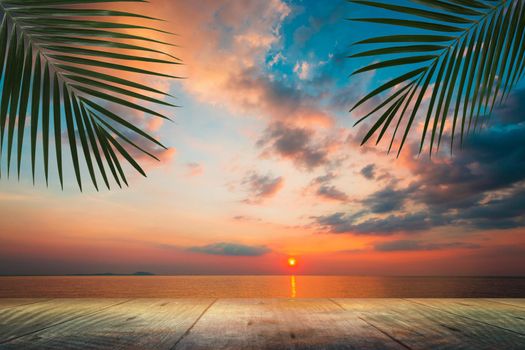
{"x": 138, "y": 273}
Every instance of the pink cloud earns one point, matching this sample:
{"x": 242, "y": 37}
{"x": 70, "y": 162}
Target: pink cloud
{"x": 261, "y": 187}
{"x": 225, "y": 58}
{"x": 225, "y": 61}
{"x": 194, "y": 169}
{"x": 154, "y": 124}
{"x": 301, "y": 145}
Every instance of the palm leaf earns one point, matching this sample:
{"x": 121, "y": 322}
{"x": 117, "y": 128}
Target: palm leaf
{"x": 465, "y": 56}
{"x": 61, "y": 74}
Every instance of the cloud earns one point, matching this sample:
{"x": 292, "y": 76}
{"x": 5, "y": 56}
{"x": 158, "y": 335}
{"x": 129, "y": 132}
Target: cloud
{"x": 229, "y": 58}
{"x": 369, "y": 171}
{"x": 278, "y": 57}
{"x": 245, "y": 218}
{"x": 513, "y": 111}
{"x": 386, "y": 200}
{"x": 303, "y": 70}
{"x": 409, "y": 245}
{"x": 261, "y": 187}
{"x": 352, "y": 223}
{"x": 253, "y": 90}
{"x": 194, "y": 169}
{"x": 231, "y": 249}
{"x": 315, "y": 23}
{"x": 501, "y": 213}
{"x": 332, "y": 193}
{"x": 323, "y": 188}
{"x": 298, "y": 145}
{"x": 323, "y": 179}
{"x": 154, "y": 124}
{"x": 482, "y": 187}
{"x": 231, "y": 63}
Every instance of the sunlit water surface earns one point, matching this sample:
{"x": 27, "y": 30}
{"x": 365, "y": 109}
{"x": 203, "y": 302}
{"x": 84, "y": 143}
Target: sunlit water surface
{"x": 261, "y": 287}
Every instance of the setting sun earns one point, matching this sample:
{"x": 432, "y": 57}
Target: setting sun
{"x": 292, "y": 262}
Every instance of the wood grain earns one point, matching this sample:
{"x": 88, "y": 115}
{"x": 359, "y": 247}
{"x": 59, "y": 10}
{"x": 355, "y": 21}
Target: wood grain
{"x": 423, "y": 327}
{"x": 5, "y": 303}
{"x": 512, "y": 302}
{"x": 137, "y": 324}
{"x": 26, "y": 319}
{"x": 499, "y": 315}
{"x": 282, "y": 324}
{"x": 174, "y": 324}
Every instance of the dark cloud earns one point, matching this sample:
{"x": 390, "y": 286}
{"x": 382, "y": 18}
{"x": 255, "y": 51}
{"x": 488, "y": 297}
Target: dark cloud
{"x": 261, "y": 187}
{"x": 369, "y": 171}
{"x": 513, "y": 111}
{"x": 353, "y": 223}
{"x": 491, "y": 161}
{"x": 323, "y": 179}
{"x": 409, "y": 245}
{"x": 296, "y": 144}
{"x": 409, "y": 222}
{"x": 386, "y": 200}
{"x": 230, "y": 249}
{"x": 502, "y": 213}
{"x": 481, "y": 187}
{"x": 332, "y": 193}
{"x": 323, "y": 188}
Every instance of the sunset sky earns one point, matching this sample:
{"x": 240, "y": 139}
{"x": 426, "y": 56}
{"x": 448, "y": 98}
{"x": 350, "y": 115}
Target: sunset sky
{"x": 263, "y": 164}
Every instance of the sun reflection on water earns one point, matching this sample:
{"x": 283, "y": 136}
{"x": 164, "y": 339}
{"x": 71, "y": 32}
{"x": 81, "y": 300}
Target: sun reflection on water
{"x": 293, "y": 289}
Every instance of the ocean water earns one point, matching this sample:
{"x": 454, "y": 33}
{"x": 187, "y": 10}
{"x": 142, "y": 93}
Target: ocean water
{"x": 260, "y": 287}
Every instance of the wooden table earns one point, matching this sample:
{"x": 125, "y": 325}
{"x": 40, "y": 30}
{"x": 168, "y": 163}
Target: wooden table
{"x": 262, "y": 324}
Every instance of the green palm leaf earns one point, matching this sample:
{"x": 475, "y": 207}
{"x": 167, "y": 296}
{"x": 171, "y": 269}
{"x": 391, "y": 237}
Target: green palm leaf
{"x": 61, "y": 75}
{"x": 465, "y": 57}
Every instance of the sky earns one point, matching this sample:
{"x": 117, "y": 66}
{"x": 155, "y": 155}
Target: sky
{"x": 264, "y": 163}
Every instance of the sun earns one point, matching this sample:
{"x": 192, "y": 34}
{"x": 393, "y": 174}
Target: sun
{"x": 292, "y": 262}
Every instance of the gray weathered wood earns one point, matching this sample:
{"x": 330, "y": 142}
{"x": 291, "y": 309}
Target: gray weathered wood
{"x": 5, "y": 303}
{"x": 513, "y": 302}
{"x": 173, "y": 324}
{"x": 137, "y": 324}
{"x": 422, "y": 327}
{"x": 30, "y": 318}
{"x": 498, "y": 315}
{"x": 282, "y": 324}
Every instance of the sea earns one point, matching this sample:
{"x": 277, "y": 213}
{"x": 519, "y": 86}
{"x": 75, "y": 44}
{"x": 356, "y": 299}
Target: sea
{"x": 293, "y": 286}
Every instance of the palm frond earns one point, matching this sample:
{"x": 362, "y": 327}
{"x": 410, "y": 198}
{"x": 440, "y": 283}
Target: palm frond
{"x": 63, "y": 70}
{"x": 465, "y": 56}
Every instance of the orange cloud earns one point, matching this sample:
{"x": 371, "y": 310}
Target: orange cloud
{"x": 224, "y": 57}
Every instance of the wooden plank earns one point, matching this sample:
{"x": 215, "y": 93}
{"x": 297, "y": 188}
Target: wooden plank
{"x": 282, "y": 324}
{"x": 31, "y": 318}
{"x": 5, "y": 303}
{"x": 496, "y": 314}
{"x": 512, "y": 302}
{"x": 423, "y": 327}
{"x": 262, "y": 324}
{"x": 138, "y": 324}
